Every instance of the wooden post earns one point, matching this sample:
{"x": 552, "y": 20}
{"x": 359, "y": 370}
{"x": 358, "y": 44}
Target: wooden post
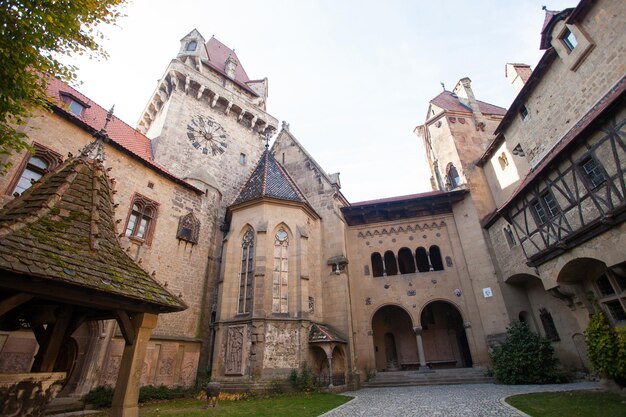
{"x": 126, "y": 392}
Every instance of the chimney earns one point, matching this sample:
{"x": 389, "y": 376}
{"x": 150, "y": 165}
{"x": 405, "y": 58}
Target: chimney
{"x": 517, "y": 74}
{"x": 463, "y": 90}
{"x": 231, "y": 65}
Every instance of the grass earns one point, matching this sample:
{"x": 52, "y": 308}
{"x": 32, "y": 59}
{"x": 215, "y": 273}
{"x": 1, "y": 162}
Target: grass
{"x": 301, "y": 405}
{"x": 570, "y": 404}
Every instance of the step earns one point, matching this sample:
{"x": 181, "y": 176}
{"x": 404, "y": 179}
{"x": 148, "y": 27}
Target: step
{"x": 434, "y": 377}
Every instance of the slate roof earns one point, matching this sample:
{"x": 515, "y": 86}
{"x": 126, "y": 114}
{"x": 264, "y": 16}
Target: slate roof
{"x": 121, "y": 134}
{"x": 62, "y": 230}
{"x": 269, "y": 180}
{"x": 450, "y": 101}
{"x": 324, "y": 333}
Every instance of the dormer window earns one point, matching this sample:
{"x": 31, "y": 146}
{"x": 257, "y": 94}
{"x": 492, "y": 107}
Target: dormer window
{"x": 569, "y": 40}
{"x": 75, "y": 106}
{"x": 191, "y": 46}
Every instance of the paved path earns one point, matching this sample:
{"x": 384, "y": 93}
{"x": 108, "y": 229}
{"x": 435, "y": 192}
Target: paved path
{"x": 476, "y": 400}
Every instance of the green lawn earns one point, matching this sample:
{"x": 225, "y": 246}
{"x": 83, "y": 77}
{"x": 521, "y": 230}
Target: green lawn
{"x": 570, "y": 404}
{"x": 301, "y": 405}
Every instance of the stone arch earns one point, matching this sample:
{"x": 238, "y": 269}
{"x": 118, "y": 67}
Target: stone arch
{"x": 406, "y": 261}
{"x": 378, "y": 268}
{"x": 434, "y": 254}
{"x": 580, "y": 270}
{"x": 421, "y": 257}
{"x": 339, "y": 366}
{"x": 391, "y": 265}
{"x": 394, "y": 320}
{"x": 444, "y": 337}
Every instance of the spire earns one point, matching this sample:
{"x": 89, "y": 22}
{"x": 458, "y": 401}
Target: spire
{"x": 95, "y": 150}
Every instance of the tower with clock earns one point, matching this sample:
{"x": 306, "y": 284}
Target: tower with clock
{"x": 207, "y": 118}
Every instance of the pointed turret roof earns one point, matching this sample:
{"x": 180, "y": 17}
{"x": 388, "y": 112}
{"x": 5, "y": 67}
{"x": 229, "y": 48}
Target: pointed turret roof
{"x": 60, "y": 233}
{"x": 269, "y": 180}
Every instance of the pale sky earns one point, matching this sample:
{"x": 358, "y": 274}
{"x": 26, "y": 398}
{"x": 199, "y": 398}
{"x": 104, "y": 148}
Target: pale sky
{"x": 352, "y": 78}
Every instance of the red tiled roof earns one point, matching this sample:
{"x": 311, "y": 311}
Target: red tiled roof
{"x": 450, "y": 101}
{"x": 120, "y": 133}
{"x": 218, "y": 53}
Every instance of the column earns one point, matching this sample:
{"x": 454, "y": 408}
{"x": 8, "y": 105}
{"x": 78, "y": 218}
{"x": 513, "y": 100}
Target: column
{"x": 330, "y": 370}
{"x": 126, "y": 392}
{"x": 420, "y": 346}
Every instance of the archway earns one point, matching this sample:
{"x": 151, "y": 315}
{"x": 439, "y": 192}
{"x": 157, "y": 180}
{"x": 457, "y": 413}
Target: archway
{"x": 395, "y": 346}
{"x": 443, "y": 335}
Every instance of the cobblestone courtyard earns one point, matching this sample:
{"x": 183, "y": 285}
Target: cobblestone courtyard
{"x": 478, "y": 400}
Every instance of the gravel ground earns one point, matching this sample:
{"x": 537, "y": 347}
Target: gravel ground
{"x": 475, "y": 400}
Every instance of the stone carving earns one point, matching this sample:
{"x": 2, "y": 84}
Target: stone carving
{"x": 234, "y": 350}
{"x": 411, "y": 293}
{"x": 311, "y": 305}
{"x": 402, "y": 229}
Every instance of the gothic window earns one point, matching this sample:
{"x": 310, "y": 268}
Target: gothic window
{"x": 545, "y": 208}
{"x": 378, "y": 268}
{"x": 503, "y": 160}
{"x": 142, "y": 218}
{"x": 246, "y": 274}
{"x": 548, "y": 325}
{"x": 611, "y": 288}
{"x": 508, "y": 234}
{"x": 593, "y": 172}
{"x": 391, "y": 266}
{"x": 188, "y": 228}
{"x": 191, "y": 46}
{"x": 421, "y": 256}
{"x": 454, "y": 180}
{"x": 281, "y": 272}
{"x": 33, "y": 167}
{"x": 435, "y": 258}
{"x": 406, "y": 261}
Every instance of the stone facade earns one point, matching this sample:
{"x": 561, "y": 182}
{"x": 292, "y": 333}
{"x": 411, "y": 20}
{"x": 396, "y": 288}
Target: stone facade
{"x": 279, "y": 269}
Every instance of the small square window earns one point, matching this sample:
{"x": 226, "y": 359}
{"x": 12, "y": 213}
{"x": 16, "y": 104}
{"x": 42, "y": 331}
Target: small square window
{"x": 545, "y": 208}
{"x": 242, "y": 158}
{"x": 604, "y": 285}
{"x": 523, "y": 113}
{"x": 569, "y": 40}
{"x": 593, "y": 171}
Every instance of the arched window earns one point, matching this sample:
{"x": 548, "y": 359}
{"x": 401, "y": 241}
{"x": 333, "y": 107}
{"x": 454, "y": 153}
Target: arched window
{"x": 406, "y": 261}
{"x": 188, "y": 228}
{"x": 391, "y": 267}
{"x": 280, "y": 285}
{"x": 140, "y": 224}
{"x": 246, "y": 274}
{"x": 435, "y": 258}
{"x": 422, "y": 260}
{"x": 378, "y": 268}
{"x": 454, "y": 180}
{"x": 191, "y": 46}
{"x": 33, "y": 168}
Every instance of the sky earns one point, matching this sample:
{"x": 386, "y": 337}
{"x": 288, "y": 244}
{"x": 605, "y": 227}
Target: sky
{"x": 352, "y": 78}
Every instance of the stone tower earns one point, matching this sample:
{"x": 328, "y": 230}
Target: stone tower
{"x": 207, "y": 118}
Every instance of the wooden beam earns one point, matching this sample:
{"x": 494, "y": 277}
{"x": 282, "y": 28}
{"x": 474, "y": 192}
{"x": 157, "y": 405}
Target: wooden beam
{"x": 126, "y": 327}
{"x": 57, "y": 336}
{"x": 16, "y": 300}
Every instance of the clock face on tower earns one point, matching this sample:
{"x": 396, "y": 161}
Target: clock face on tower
{"x": 207, "y": 136}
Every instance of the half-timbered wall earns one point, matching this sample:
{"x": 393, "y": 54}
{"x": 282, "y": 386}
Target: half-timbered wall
{"x": 586, "y": 204}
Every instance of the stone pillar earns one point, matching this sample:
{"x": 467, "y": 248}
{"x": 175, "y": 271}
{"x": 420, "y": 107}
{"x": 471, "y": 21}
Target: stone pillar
{"x": 420, "y": 346}
{"x": 126, "y": 392}
{"x": 330, "y": 370}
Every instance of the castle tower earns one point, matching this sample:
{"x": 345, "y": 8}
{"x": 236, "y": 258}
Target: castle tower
{"x": 207, "y": 118}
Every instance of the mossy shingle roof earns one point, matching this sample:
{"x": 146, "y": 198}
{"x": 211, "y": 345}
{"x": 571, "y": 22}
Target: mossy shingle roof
{"x": 62, "y": 229}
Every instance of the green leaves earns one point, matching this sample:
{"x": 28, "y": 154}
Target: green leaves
{"x": 525, "y": 358}
{"x": 606, "y": 348}
{"x": 34, "y": 36}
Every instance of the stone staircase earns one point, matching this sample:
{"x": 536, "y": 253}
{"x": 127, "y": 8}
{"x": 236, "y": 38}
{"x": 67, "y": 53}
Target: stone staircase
{"x": 431, "y": 377}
